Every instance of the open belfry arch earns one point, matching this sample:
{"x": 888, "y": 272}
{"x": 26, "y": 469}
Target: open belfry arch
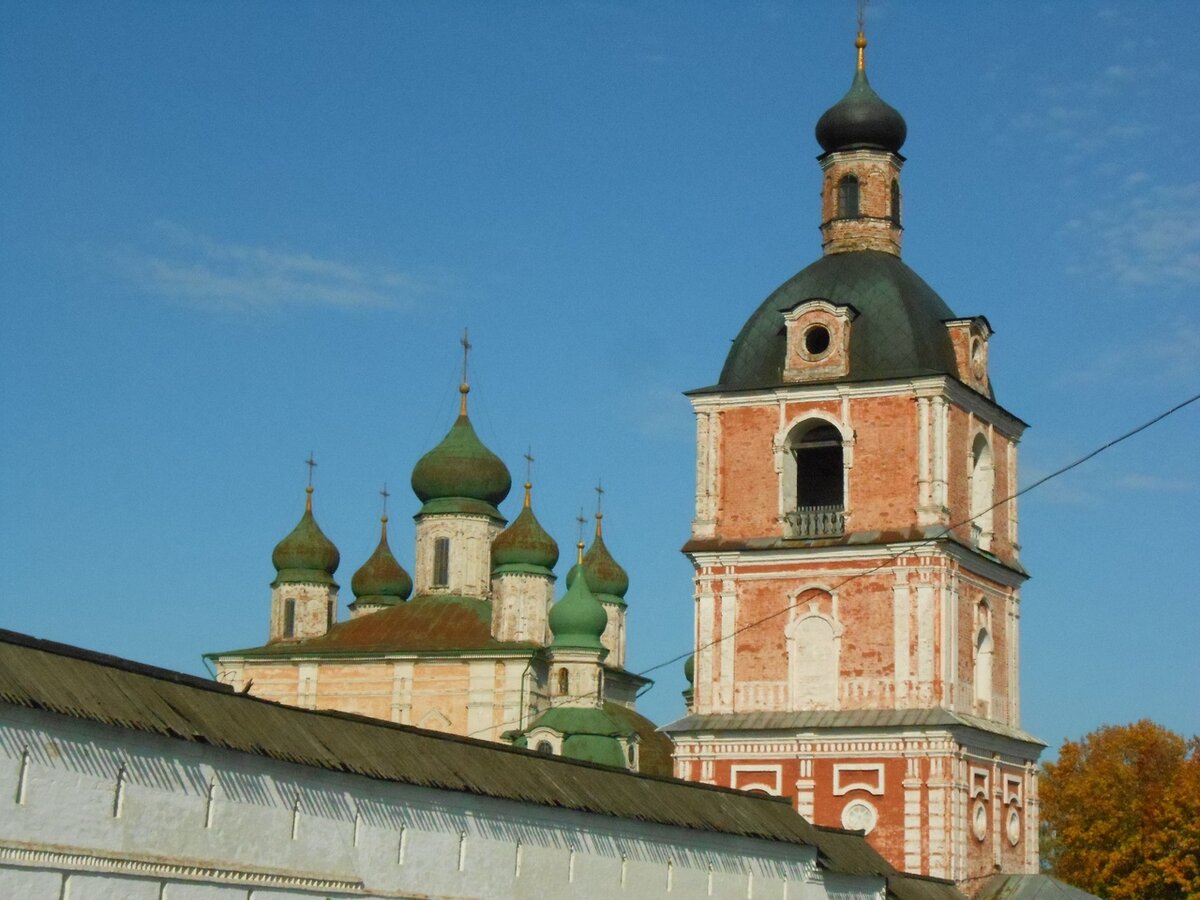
{"x": 857, "y": 565}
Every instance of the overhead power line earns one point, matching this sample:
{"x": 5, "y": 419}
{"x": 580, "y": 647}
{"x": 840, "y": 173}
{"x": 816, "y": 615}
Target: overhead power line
{"x": 912, "y": 546}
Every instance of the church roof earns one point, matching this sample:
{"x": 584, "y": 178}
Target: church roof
{"x": 381, "y": 580}
{"x": 305, "y": 556}
{"x": 1030, "y": 887}
{"x": 806, "y": 720}
{"x": 899, "y": 331}
{"x": 861, "y": 119}
{"x": 426, "y": 624}
{"x": 461, "y": 467}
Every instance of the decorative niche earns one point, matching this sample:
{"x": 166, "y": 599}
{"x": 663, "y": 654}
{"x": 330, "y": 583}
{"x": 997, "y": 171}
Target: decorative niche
{"x": 970, "y": 340}
{"x": 818, "y": 340}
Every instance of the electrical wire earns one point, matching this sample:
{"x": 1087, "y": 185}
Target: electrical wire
{"x": 911, "y": 547}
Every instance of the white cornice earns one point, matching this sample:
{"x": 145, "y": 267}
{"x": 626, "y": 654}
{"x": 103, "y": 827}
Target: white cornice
{"x": 50, "y": 856}
{"x": 927, "y": 386}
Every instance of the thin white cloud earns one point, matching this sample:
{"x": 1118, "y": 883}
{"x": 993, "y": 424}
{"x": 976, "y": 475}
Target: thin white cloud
{"x": 1151, "y": 238}
{"x": 182, "y": 265}
{"x": 1172, "y": 356}
{"x": 1136, "y": 481}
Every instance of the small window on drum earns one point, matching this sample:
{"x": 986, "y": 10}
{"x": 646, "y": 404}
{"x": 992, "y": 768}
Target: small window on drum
{"x": 848, "y": 198}
{"x": 894, "y": 211}
{"x": 441, "y": 562}
{"x": 289, "y": 618}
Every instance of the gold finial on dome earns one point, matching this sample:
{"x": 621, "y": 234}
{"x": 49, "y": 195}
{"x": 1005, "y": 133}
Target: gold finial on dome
{"x": 528, "y": 474}
{"x": 599, "y": 505}
{"x": 465, "y": 387}
{"x": 383, "y": 519}
{"x": 861, "y": 43}
{"x": 312, "y": 464}
{"x": 579, "y": 553}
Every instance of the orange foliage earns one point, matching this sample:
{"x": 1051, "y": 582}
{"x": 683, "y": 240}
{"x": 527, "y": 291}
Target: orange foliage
{"x": 1121, "y": 813}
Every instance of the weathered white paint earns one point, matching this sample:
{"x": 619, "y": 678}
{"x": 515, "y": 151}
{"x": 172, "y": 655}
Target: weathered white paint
{"x": 470, "y": 539}
{"x": 352, "y": 835}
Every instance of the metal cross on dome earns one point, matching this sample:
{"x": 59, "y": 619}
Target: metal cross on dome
{"x": 384, "y": 494}
{"x": 312, "y": 464}
{"x": 466, "y": 345}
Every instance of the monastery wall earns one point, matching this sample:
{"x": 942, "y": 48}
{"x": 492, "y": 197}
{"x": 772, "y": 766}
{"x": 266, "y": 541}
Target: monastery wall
{"x": 91, "y": 811}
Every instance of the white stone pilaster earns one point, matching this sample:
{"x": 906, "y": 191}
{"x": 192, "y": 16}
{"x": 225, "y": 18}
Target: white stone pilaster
{"x": 402, "y": 691}
{"x": 901, "y": 636}
{"x": 726, "y": 647}
{"x": 705, "y": 668}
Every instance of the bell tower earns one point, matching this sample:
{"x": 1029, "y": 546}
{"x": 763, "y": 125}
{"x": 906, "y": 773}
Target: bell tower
{"x": 856, "y": 557}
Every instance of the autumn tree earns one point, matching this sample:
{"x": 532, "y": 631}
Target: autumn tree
{"x": 1121, "y": 813}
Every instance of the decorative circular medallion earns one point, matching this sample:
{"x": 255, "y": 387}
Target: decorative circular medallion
{"x": 979, "y": 817}
{"x": 859, "y": 815}
{"x": 1014, "y": 827}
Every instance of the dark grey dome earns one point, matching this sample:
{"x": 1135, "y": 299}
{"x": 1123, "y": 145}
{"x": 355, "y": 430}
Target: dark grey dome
{"x": 899, "y": 332}
{"x": 861, "y": 120}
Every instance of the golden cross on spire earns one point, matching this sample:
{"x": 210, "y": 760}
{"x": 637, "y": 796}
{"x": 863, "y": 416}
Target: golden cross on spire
{"x": 528, "y": 474}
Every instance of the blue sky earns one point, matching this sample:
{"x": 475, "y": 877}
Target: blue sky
{"x": 233, "y": 233}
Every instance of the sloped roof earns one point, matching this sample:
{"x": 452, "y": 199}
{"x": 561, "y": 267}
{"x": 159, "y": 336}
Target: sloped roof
{"x": 898, "y": 333}
{"x": 844, "y": 718}
{"x": 65, "y": 680}
{"x": 1030, "y": 887}
{"x": 426, "y": 624}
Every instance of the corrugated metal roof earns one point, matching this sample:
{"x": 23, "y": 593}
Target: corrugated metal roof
{"x": 428, "y": 624}
{"x": 811, "y": 720}
{"x": 41, "y": 675}
{"x": 61, "y": 679}
{"x": 1030, "y": 887}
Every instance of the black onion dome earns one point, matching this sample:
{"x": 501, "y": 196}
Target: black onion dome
{"x": 861, "y": 120}
{"x": 899, "y": 332}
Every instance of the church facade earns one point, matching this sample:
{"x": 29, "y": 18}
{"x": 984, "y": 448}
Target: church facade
{"x": 855, "y": 546}
{"x": 473, "y": 643}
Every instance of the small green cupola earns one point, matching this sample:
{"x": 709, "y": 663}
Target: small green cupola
{"x": 578, "y": 620}
{"x": 524, "y": 546}
{"x": 607, "y": 580}
{"x": 305, "y": 556}
{"x": 460, "y": 474}
{"x": 381, "y": 581}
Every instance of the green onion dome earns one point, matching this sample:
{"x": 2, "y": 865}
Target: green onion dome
{"x": 461, "y": 467}
{"x": 305, "y": 556}
{"x": 861, "y": 120}
{"x": 381, "y": 581}
{"x": 578, "y": 619}
{"x": 524, "y": 543}
{"x": 605, "y": 577}
{"x": 689, "y": 669}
